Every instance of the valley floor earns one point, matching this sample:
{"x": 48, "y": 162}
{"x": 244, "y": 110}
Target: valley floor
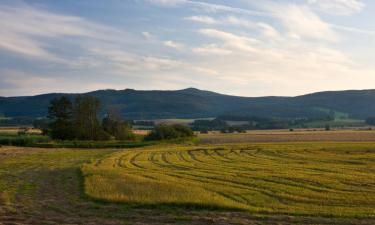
{"x": 46, "y": 186}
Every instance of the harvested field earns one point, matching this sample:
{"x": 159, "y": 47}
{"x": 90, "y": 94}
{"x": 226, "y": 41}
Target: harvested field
{"x": 288, "y": 136}
{"x": 306, "y": 179}
{"x": 45, "y": 186}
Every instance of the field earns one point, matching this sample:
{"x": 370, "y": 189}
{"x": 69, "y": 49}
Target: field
{"x": 247, "y": 183}
{"x": 335, "y": 180}
{"x": 302, "y": 135}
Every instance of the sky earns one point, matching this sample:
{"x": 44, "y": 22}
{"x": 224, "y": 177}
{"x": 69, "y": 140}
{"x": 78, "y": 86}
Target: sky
{"x": 237, "y": 47}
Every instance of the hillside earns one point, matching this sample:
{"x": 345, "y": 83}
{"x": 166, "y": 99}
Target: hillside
{"x": 194, "y": 103}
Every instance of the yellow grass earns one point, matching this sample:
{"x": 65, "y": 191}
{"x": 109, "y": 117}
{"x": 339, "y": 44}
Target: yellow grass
{"x": 315, "y": 179}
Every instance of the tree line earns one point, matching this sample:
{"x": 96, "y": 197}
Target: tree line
{"x": 79, "y": 120}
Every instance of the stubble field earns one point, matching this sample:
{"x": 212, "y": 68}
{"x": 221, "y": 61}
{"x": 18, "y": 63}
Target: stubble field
{"x": 316, "y": 182}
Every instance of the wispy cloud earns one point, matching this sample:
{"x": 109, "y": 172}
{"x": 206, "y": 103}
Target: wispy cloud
{"x": 338, "y": 7}
{"x": 27, "y": 31}
{"x": 208, "y": 7}
{"x": 173, "y": 44}
{"x": 301, "y": 22}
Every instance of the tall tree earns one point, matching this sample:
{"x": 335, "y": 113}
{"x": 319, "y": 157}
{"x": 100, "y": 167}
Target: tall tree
{"x": 86, "y": 114}
{"x": 60, "y": 112}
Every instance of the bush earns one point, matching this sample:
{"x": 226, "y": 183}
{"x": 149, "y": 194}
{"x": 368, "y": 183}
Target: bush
{"x": 120, "y": 130}
{"x": 167, "y": 132}
{"x": 23, "y": 140}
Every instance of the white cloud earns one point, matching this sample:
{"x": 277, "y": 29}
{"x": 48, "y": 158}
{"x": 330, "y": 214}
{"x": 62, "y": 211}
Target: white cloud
{"x": 203, "y": 19}
{"x": 301, "y": 22}
{"x": 269, "y": 31}
{"x": 207, "y": 7}
{"x": 212, "y": 49}
{"x": 168, "y": 3}
{"x": 241, "y": 43}
{"x": 339, "y": 7}
{"x": 148, "y": 35}
{"x": 27, "y": 31}
{"x": 175, "y": 45}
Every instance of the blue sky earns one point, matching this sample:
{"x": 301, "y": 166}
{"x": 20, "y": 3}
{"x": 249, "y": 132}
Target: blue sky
{"x": 239, "y": 47}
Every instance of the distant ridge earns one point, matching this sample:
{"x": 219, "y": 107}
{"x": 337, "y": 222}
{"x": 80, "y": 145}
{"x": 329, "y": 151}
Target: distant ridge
{"x": 195, "y": 103}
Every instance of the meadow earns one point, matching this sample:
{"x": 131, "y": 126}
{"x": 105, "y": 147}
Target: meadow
{"x": 299, "y": 179}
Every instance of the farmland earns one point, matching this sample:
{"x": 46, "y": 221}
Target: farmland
{"x": 302, "y": 135}
{"x": 293, "y": 179}
{"x": 233, "y": 183}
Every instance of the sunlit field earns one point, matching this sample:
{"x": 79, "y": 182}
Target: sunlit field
{"x": 298, "y": 135}
{"x": 301, "y": 179}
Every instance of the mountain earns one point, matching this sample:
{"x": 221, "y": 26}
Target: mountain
{"x": 195, "y": 103}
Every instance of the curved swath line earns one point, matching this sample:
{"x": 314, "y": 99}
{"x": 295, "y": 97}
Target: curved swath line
{"x": 266, "y": 190}
{"x": 156, "y": 162}
{"x": 133, "y": 159}
{"x": 155, "y": 165}
{"x": 121, "y": 161}
{"x": 294, "y": 183}
{"x": 223, "y": 156}
{"x": 274, "y": 156}
{"x": 235, "y": 152}
{"x": 232, "y": 184}
{"x": 207, "y": 152}
{"x": 260, "y": 156}
{"x": 181, "y": 161}
{"x": 207, "y": 169}
{"x": 220, "y": 159}
{"x": 230, "y": 197}
{"x": 218, "y": 163}
{"x": 181, "y": 156}
{"x": 249, "y": 154}
{"x": 170, "y": 164}
{"x": 206, "y": 164}
{"x": 192, "y": 156}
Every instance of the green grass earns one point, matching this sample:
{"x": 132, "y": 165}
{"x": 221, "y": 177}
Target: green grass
{"x": 91, "y": 144}
{"x": 36, "y": 140}
{"x": 301, "y": 179}
{"x": 22, "y": 140}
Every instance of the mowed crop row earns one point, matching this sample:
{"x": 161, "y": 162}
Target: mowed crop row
{"x": 314, "y": 179}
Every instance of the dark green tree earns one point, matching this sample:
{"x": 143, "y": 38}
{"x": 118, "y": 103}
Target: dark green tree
{"x": 114, "y": 125}
{"x": 60, "y": 112}
{"x": 86, "y": 119}
{"x": 166, "y": 132}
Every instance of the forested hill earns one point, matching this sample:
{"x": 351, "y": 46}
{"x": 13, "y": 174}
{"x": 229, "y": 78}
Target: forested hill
{"x": 194, "y": 103}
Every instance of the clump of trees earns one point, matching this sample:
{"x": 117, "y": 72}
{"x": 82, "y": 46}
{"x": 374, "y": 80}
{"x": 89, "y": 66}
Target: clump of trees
{"x": 167, "y": 132}
{"x": 208, "y": 125}
{"x": 233, "y": 129}
{"x": 79, "y": 120}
